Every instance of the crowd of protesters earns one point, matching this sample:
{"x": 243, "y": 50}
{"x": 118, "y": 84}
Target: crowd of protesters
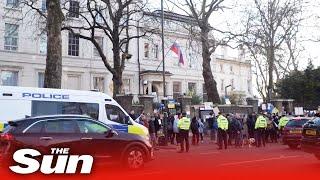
{"x": 223, "y": 129}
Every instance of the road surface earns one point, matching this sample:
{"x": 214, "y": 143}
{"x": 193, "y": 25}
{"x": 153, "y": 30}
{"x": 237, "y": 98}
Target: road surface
{"x": 206, "y": 161}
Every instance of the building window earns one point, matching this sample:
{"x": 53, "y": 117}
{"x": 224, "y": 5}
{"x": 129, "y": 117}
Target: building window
{"x": 176, "y": 89}
{"x": 43, "y": 44}
{"x": 249, "y": 85}
{"x": 99, "y": 16}
{"x": 12, "y": 3}
{"x": 11, "y": 37}
{"x": 73, "y": 47}
{"x": 9, "y": 78}
{"x": 100, "y": 42}
{"x": 231, "y": 69}
{"x": 98, "y": 83}
{"x": 155, "y": 51}
{"x": 126, "y": 86}
{"x": 44, "y": 6}
{"x": 74, "y": 9}
{"x": 192, "y": 87}
{"x": 40, "y": 79}
{"x": 222, "y": 85}
{"x": 221, "y": 67}
{"x": 146, "y": 50}
{"x": 232, "y": 83}
{"x": 74, "y": 82}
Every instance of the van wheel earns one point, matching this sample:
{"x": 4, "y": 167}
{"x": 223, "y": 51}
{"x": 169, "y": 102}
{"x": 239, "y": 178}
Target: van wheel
{"x": 134, "y": 158}
{"x": 293, "y": 146}
{"x": 317, "y": 156}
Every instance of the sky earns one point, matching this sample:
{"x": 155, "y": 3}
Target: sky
{"x": 230, "y": 17}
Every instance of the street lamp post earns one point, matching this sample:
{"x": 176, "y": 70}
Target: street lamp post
{"x": 163, "y": 56}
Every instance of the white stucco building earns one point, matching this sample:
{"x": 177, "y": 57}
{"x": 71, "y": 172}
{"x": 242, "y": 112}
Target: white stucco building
{"x": 23, "y": 53}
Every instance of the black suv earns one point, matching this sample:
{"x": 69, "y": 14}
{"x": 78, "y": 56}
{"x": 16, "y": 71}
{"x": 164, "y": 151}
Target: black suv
{"x": 81, "y": 134}
{"x": 311, "y": 137}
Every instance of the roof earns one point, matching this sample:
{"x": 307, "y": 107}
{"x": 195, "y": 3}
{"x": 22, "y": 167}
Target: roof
{"x": 19, "y": 89}
{"x": 54, "y": 117}
{"x": 173, "y": 16}
{"x": 154, "y": 72}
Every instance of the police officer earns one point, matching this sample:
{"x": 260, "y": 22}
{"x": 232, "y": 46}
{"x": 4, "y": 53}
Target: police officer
{"x": 260, "y": 127}
{"x": 184, "y": 126}
{"x": 283, "y": 122}
{"x": 223, "y": 125}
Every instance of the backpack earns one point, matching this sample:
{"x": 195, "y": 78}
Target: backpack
{"x": 195, "y": 126}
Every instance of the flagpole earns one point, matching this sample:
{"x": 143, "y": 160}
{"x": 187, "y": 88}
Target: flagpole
{"x": 163, "y": 56}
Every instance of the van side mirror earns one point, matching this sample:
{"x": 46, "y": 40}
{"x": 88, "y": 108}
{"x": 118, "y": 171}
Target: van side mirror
{"x": 110, "y": 133}
{"x": 127, "y": 120}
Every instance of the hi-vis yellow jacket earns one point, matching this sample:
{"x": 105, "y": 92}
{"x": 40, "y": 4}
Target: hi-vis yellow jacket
{"x": 283, "y": 122}
{"x": 261, "y": 122}
{"x": 223, "y": 122}
{"x": 184, "y": 123}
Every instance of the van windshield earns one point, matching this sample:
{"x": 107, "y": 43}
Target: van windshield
{"x": 53, "y": 108}
{"x": 115, "y": 114}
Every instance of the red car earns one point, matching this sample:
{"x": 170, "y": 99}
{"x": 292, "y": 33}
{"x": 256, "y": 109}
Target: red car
{"x": 292, "y": 132}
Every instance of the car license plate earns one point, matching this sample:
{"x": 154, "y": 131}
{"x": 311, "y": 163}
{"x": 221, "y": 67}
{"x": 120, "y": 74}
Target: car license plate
{"x": 311, "y": 132}
{"x": 295, "y": 132}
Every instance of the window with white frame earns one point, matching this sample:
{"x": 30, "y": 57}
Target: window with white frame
{"x": 249, "y": 85}
{"x": 232, "y": 83}
{"x": 11, "y": 35}
{"x": 231, "y": 69}
{"x": 99, "y": 14}
{"x": 40, "y": 79}
{"x": 126, "y": 85}
{"x": 222, "y": 85}
{"x": 177, "y": 89}
{"x": 99, "y": 40}
{"x": 43, "y": 44}
{"x": 73, "y": 46}
{"x": 12, "y": 3}
{"x": 221, "y": 67}
{"x": 9, "y": 78}
{"x": 98, "y": 83}
{"x": 155, "y": 51}
{"x": 74, "y": 9}
{"x": 192, "y": 87}
{"x": 44, "y": 6}
{"x": 146, "y": 50}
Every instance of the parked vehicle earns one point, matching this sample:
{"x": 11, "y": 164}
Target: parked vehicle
{"x": 82, "y": 134}
{"x": 292, "y": 132}
{"x": 311, "y": 137}
{"x": 21, "y": 102}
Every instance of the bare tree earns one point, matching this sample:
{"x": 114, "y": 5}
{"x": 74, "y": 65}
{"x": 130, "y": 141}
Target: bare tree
{"x": 270, "y": 31}
{"x": 201, "y": 11}
{"x": 54, "y": 18}
{"x": 115, "y": 19}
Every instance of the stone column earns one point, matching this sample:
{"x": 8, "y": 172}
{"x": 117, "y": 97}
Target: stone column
{"x": 149, "y": 87}
{"x": 253, "y": 102}
{"x": 125, "y": 101}
{"x": 185, "y": 102}
{"x": 147, "y": 102}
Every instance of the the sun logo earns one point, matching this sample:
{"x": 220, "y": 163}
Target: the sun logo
{"x": 65, "y": 163}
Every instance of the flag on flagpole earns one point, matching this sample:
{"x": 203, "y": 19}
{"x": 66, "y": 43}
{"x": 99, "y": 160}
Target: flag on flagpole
{"x": 176, "y": 49}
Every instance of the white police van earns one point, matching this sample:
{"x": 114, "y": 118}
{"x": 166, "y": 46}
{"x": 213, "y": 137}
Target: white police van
{"x": 21, "y": 102}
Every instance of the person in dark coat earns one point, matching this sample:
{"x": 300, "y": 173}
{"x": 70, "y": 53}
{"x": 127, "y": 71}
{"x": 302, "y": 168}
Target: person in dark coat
{"x": 195, "y": 131}
{"x": 251, "y": 123}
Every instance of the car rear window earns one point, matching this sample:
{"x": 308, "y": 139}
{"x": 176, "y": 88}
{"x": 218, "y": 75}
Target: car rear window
{"x": 60, "y": 126}
{"x": 297, "y": 123}
{"x": 53, "y": 108}
{"x": 36, "y": 128}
